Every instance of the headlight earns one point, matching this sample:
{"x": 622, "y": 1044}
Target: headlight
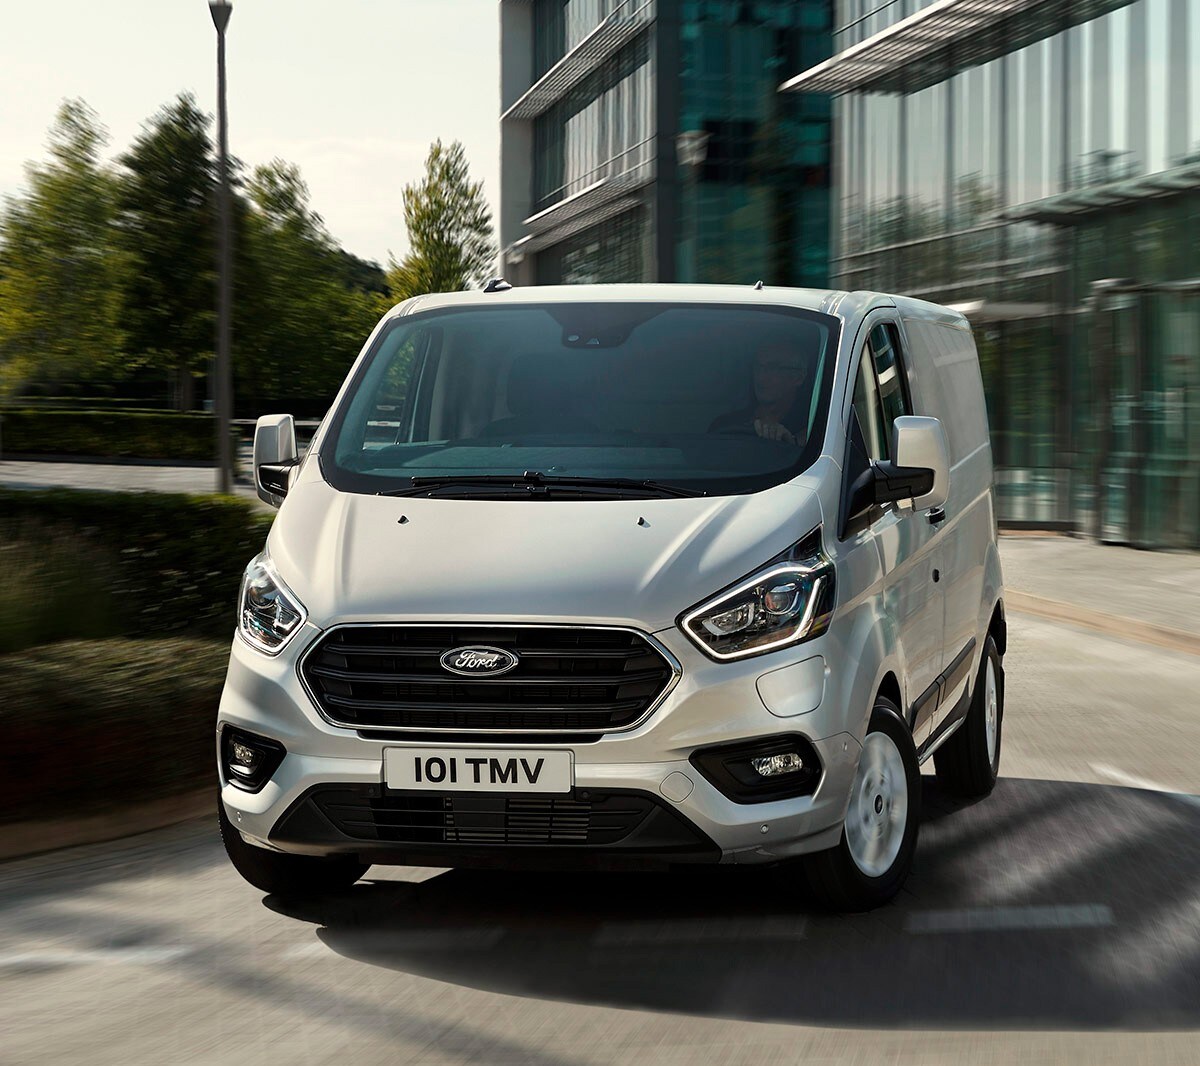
{"x": 268, "y": 612}
{"x": 788, "y": 601}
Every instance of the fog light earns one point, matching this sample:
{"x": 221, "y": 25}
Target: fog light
{"x": 761, "y": 769}
{"x": 248, "y": 759}
{"x": 244, "y": 758}
{"x": 773, "y": 765}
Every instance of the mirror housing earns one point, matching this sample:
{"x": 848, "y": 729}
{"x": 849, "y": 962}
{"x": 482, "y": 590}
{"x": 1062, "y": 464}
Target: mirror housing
{"x": 275, "y": 457}
{"x": 919, "y": 444}
{"x": 900, "y": 484}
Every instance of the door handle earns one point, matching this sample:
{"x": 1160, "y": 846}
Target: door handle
{"x": 938, "y": 514}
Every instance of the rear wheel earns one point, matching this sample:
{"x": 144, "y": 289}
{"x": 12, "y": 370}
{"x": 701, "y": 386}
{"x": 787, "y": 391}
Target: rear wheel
{"x": 968, "y": 763}
{"x": 879, "y": 834}
{"x": 286, "y": 875}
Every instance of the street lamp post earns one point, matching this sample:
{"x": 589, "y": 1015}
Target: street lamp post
{"x": 220, "y": 11}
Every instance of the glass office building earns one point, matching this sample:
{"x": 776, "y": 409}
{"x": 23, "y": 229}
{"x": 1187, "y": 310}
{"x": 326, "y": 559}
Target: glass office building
{"x": 1037, "y": 164}
{"x": 645, "y": 140}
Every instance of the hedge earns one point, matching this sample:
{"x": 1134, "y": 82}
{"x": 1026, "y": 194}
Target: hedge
{"x": 109, "y": 434}
{"x": 83, "y": 563}
{"x": 96, "y": 724}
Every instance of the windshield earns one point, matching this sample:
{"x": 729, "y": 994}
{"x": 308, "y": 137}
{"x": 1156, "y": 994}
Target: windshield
{"x": 712, "y": 399}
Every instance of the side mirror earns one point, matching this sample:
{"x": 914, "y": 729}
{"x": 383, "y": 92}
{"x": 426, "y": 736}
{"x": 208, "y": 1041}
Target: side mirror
{"x": 275, "y": 457}
{"x": 919, "y": 445}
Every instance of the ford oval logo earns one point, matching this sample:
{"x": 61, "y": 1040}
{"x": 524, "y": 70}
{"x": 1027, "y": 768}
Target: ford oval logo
{"x": 479, "y": 662}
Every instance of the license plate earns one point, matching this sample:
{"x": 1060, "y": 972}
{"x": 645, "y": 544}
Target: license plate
{"x": 478, "y": 770}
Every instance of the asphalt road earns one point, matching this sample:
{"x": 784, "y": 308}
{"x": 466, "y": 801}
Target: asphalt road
{"x": 1058, "y": 920}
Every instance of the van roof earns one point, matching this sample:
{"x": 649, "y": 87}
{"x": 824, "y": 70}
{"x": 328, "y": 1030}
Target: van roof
{"x": 842, "y": 304}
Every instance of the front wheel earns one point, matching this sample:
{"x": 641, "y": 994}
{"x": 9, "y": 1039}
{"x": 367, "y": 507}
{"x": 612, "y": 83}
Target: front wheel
{"x": 286, "y": 875}
{"x": 879, "y": 834}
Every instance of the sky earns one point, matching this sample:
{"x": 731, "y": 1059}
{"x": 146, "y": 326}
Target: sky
{"x": 352, "y": 91}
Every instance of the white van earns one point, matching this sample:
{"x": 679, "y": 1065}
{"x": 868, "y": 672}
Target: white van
{"x": 633, "y": 575}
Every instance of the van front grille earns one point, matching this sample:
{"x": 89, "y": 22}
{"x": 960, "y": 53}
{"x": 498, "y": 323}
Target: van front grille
{"x": 568, "y": 680}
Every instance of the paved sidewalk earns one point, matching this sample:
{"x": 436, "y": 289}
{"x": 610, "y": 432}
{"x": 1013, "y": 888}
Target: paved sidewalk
{"x": 1156, "y": 589}
{"x": 115, "y": 477}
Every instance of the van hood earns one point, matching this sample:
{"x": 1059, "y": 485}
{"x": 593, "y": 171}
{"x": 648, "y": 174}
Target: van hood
{"x": 353, "y": 558}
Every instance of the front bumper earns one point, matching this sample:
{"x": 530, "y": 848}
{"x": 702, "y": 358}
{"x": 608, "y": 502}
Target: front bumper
{"x": 713, "y": 704}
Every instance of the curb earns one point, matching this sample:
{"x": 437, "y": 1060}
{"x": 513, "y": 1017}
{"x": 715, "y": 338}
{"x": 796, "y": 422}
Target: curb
{"x": 23, "y": 839}
{"x": 1109, "y": 624}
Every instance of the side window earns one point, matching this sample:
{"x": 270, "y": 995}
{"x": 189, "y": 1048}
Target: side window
{"x": 889, "y": 371}
{"x": 868, "y": 410}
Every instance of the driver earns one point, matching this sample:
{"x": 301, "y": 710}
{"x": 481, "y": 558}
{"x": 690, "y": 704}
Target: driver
{"x": 780, "y": 407}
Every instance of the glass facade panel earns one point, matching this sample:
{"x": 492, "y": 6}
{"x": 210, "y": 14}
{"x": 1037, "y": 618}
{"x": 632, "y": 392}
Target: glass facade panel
{"x": 859, "y": 19}
{"x": 978, "y": 182}
{"x": 559, "y": 25}
{"x": 610, "y": 253}
{"x": 601, "y": 129}
{"x": 1093, "y": 398}
{"x": 748, "y": 197}
{"x": 754, "y": 185}
{"x": 1157, "y": 85}
{"x": 1193, "y": 75}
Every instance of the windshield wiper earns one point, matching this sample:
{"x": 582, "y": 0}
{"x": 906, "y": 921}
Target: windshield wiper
{"x": 533, "y": 483}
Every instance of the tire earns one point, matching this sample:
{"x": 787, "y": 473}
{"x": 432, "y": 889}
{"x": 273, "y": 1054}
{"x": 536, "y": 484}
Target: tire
{"x": 968, "y": 763}
{"x": 286, "y": 875}
{"x": 879, "y": 833}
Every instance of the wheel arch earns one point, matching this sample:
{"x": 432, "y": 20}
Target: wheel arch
{"x": 889, "y": 686}
{"x": 998, "y": 627}
{"x": 874, "y": 647}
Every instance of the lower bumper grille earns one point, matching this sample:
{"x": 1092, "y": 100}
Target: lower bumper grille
{"x": 485, "y": 820}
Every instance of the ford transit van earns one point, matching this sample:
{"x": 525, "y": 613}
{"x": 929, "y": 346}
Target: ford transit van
{"x": 622, "y": 576}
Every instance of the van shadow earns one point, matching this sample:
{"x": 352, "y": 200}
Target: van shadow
{"x": 1050, "y": 904}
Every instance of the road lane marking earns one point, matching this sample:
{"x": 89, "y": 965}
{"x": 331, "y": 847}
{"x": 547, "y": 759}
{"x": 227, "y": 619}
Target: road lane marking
{"x": 699, "y": 930}
{"x": 48, "y": 957}
{"x": 1015, "y": 919}
{"x": 1147, "y": 786}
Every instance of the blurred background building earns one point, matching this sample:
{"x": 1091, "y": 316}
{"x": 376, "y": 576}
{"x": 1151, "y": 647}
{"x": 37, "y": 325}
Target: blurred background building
{"x": 1037, "y": 164}
{"x": 645, "y": 140}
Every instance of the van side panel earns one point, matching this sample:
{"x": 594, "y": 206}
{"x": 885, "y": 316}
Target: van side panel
{"x": 951, "y": 385}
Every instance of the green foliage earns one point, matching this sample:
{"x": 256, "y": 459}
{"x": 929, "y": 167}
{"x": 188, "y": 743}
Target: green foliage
{"x": 166, "y": 227}
{"x": 55, "y": 588}
{"x": 170, "y": 563}
{"x": 300, "y": 320}
{"x": 120, "y": 434}
{"x": 361, "y": 274}
{"x": 449, "y": 229}
{"x": 107, "y": 722}
{"x": 58, "y": 265}
{"x": 107, "y": 275}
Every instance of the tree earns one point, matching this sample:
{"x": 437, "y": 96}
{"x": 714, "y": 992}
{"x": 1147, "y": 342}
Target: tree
{"x": 449, "y": 229}
{"x": 59, "y": 297}
{"x": 167, "y": 234}
{"x": 300, "y": 316}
